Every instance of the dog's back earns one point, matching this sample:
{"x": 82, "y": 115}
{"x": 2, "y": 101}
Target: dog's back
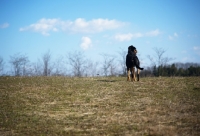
{"x": 130, "y": 59}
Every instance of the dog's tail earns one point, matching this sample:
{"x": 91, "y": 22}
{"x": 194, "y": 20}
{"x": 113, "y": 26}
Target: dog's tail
{"x": 137, "y": 63}
{"x": 139, "y": 67}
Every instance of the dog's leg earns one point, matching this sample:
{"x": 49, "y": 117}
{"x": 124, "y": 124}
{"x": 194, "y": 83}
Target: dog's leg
{"x": 128, "y": 75}
{"x": 133, "y": 74}
{"x": 138, "y": 75}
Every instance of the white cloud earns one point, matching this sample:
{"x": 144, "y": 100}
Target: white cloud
{"x": 43, "y": 26}
{"x": 80, "y": 25}
{"x": 95, "y": 25}
{"x": 153, "y": 33}
{"x": 86, "y": 42}
{"x": 137, "y": 35}
{"x": 172, "y": 37}
{"x": 197, "y": 49}
{"x": 175, "y": 35}
{"x": 5, "y": 25}
{"x": 186, "y": 59}
{"x": 129, "y": 36}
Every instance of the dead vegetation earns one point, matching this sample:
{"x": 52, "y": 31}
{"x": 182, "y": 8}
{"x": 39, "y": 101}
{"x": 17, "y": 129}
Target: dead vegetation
{"x": 99, "y": 106}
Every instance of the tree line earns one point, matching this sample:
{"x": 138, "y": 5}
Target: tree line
{"x": 72, "y": 64}
{"x": 160, "y": 66}
{"x": 175, "y": 69}
{"x": 76, "y": 64}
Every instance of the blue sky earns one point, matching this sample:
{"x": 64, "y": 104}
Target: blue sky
{"x": 97, "y": 27}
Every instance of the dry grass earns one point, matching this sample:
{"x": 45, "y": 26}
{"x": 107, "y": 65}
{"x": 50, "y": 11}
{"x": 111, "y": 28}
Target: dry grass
{"x": 99, "y": 106}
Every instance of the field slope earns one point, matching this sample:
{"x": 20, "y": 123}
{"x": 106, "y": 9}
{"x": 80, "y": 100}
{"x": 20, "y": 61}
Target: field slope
{"x": 99, "y": 106}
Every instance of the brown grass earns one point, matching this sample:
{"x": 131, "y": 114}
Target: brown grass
{"x": 99, "y": 106}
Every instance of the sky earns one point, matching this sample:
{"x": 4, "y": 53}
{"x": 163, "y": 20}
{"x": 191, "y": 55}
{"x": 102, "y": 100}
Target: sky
{"x": 97, "y": 27}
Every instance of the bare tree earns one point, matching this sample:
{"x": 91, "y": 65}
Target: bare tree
{"x": 19, "y": 63}
{"x": 158, "y": 59}
{"x": 59, "y": 66}
{"x": 91, "y": 68}
{"x": 1, "y": 65}
{"x": 78, "y": 63}
{"x": 46, "y": 58}
{"x": 37, "y": 68}
{"x": 113, "y": 68}
{"x": 108, "y": 65}
{"x": 122, "y": 60}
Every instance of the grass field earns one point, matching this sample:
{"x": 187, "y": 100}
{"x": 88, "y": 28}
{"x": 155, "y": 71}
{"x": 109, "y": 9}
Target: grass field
{"x": 99, "y": 106}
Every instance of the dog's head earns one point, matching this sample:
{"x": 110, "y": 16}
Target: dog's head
{"x": 131, "y": 48}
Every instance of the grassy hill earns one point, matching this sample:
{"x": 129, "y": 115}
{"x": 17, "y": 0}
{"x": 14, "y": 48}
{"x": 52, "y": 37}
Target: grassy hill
{"x": 99, "y": 106}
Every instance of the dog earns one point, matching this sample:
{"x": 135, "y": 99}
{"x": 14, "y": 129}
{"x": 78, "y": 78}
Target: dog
{"x": 132, "y": 61}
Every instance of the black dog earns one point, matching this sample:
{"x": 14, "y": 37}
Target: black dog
{"x": 132, "y": 61}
